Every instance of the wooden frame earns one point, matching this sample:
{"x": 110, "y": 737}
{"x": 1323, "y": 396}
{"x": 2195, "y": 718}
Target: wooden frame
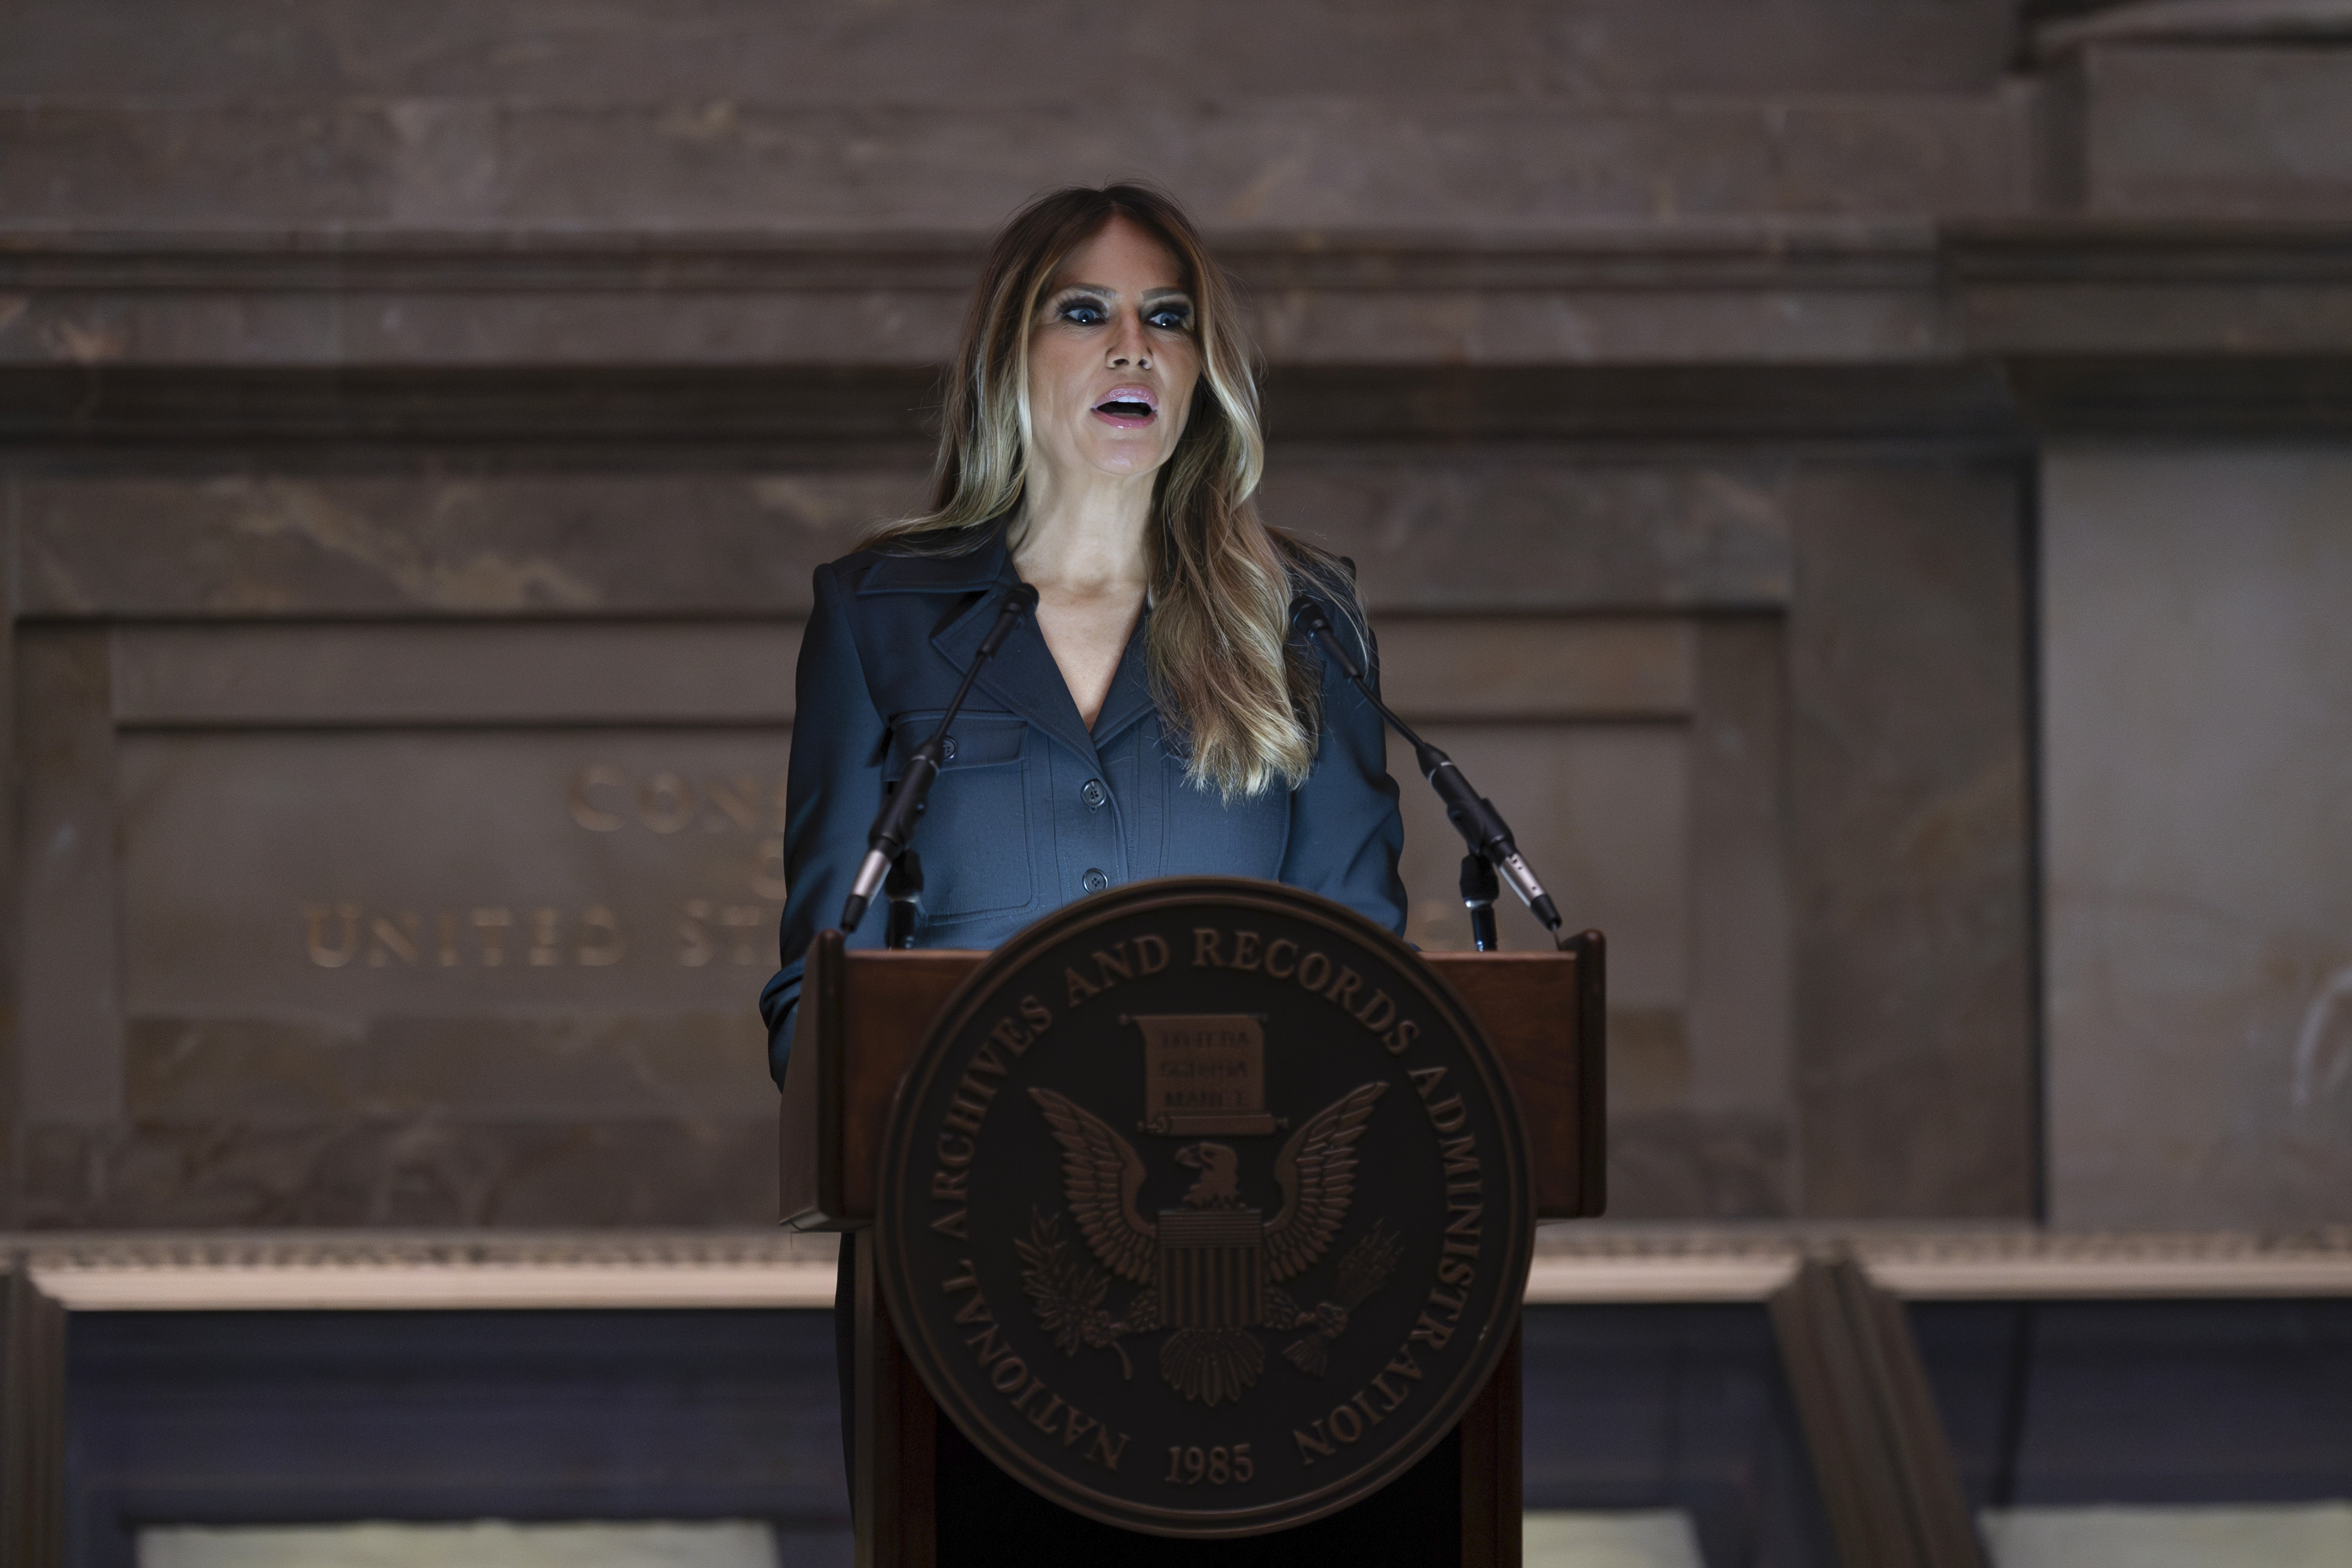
{"x": 32, "y": 1423}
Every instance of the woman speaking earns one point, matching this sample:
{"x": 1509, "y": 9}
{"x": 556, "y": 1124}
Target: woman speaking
{"x": 1100, "y": 443}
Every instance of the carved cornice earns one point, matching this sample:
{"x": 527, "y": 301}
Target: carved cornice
{"x": 626, "y": 416}
{"x": 1701, "y": 255}
{"x": 2115, "y": 250}
{"x": 408, "y": 262}
{"x": 1823, "y": 293}
{"x": 2108, "y": 288}
{"x": 1780, "y": 331}
{"x": 2196, "y": 21}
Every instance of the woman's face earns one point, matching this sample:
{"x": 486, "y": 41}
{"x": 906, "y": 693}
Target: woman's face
{"x": 1113, "y": 357}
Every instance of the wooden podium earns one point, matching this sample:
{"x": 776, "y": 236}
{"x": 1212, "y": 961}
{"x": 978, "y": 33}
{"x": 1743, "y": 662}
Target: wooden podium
{"x": 864, "y": 1015}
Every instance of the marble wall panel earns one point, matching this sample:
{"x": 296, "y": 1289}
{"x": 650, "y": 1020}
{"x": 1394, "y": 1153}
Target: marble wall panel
{"x": 514, "y": 983}
{"x": 1671, "y": 1164}
{"x": 1503, "y": 531}
{"x": 11, "y": 928}
{"x": 1907, "y": 843}
{"x": 354, "y": 675}
{"x": 1889, "y": 319}
{"x": 1605, "y": 811}
{"x": 2198, "y": 776}
{"x": 1601, "y": 639}
{"x": 357, "y": 874}
{"x": 420, "y": 539}
{"x": 1722, "y": 1140}
{"x": 556, "y": 1068}
{"x": 1533, "y": 668}
{"x": 1340, "y": 162}
{"x": 1740, "y": 1021}
{"x": 70, "y": 1007}
{"x": 2216, "y": 129}
{"x": 429, "y": 1170}
{"x": 461, "y": 922}
{"x": 726, "y": 116}
{"x": 1599, "y": 809}
{"x": 1541, "y": 531}
{"x": 935, "y": 52}
{"x": 350, "y": 732}
{"x": 347, "y": 873}
{"x": 359, "y": 675}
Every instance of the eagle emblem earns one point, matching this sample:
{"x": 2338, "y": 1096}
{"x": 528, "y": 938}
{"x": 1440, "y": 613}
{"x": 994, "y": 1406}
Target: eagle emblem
{"x": 1209, "y": 1269}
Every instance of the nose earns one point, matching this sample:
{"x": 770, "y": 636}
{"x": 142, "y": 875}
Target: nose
{"x": 1128, "y": 346}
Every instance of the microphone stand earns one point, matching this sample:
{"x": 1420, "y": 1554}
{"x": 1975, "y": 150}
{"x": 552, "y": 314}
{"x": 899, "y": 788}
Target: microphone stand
{"x": 904, "y": 887}
{"x": 895, "y": 823}
{"x": 1479, "y": 890}
{"x": 1483, "y": 829}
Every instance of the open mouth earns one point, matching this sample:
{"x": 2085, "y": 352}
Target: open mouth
{"x": 1128, "y": 405}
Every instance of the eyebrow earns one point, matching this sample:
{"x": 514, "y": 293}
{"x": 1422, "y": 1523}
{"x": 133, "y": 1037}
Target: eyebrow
{"x": 1107, "y": 288}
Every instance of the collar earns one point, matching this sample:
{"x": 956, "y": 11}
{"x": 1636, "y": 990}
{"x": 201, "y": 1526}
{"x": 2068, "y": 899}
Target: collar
{"x": 973, "y": 571}
{"x": 1023, "y": 676}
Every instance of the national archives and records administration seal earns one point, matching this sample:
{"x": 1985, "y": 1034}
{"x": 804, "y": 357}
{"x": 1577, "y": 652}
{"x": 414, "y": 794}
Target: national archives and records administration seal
{"x": 1205, "y": 1209}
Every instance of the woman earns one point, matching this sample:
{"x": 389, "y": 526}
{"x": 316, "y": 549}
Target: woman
{"x": 1100, "y": 443}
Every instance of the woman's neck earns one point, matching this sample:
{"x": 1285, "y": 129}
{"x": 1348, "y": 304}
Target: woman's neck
{"x": 1084, "y": 539}
{"x": 1083, "y": 551}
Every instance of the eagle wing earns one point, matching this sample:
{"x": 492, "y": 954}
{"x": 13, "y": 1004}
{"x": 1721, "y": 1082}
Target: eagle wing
{"x": 1317, "y": 1171}
{"x": 1101, "y": 1175}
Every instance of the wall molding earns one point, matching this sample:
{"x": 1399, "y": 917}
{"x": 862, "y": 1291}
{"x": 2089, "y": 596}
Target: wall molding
{"x": 1781, "y": 330}
{"x": 1941, "y": 1262}
{"x": 1581, "y": 1264}
{"x": 2196, "y": 21}
{"x": 1865, "y": 253}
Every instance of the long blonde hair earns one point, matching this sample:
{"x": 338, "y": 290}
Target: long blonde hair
{"x": 1239, "y": 696}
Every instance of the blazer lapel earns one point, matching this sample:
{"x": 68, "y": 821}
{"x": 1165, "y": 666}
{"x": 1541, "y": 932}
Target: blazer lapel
{"x": 1023, "y": 674}
{"x": 1129, "y": 698}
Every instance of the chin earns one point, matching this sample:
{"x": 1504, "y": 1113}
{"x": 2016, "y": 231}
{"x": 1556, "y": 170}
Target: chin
{"x": 1124, "y": 460}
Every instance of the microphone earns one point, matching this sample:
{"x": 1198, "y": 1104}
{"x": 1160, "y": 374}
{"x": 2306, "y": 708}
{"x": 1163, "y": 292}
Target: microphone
{"x": 895, "y": 823}
{"x": 1473, "y": 815}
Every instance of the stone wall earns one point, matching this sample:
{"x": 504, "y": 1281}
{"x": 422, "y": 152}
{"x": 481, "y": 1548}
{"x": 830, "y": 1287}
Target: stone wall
{"x": 2198, "y": 742}
{"x": 851, "y": 116}
{"x": 418, "y": 431}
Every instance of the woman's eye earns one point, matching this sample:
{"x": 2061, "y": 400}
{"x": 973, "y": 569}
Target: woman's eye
{"x": 1170, "y": 318}
{"x": 1085, "y": 312}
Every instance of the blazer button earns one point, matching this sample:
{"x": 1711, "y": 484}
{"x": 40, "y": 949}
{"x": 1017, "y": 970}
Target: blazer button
{"x": 1096, "y": 881}
{"x": 1093, "y": 794}
{"x": 947, "y": 749}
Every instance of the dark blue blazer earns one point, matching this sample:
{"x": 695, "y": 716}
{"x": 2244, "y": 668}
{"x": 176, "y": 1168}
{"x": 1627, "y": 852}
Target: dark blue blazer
{"x": 1032, "y": 810}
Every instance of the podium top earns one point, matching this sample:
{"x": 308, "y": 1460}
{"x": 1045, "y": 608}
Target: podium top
{"x": 864, "y": 1015}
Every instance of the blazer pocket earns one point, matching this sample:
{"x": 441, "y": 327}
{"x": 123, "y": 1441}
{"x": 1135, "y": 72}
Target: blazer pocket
{"x": 974, "y": 835}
